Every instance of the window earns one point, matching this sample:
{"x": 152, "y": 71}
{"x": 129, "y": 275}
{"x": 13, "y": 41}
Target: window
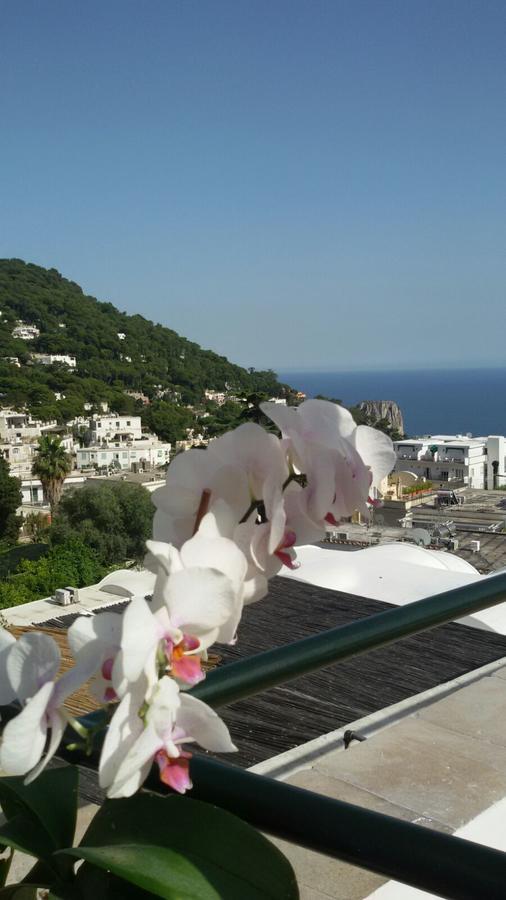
{"x": 128, "y": 423}
{"x": 103, "y": 456}
{"x": 125, "y": 455}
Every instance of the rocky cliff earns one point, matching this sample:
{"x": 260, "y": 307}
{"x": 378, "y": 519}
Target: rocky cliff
{"x": 384, "y": 409}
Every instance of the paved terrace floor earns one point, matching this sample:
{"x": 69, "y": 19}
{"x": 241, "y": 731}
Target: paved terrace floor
{"x": 439, "y": 766}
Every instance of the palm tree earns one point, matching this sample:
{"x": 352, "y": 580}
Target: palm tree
{"x": 52, "y": 464}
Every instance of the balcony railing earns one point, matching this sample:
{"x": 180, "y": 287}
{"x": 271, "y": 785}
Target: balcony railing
{"x": 448, "y": 866}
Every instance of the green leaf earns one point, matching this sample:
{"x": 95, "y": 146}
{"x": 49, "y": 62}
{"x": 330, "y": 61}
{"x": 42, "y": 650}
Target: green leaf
{"x": 50, "y": 802}
{"x": 156, "y": 869}
{"x": 234, "y": 858}
{"x": 102, "y": 885}
{"x": 20, "y": 834}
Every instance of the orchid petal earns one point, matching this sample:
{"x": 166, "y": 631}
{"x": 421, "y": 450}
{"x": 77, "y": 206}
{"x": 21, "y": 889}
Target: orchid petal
{"x": 204, "y": 725}
{"x": 57, "y": 725}
{"x": 166, "y": 555}
{"x": 218, "y": 553}
{"x": 7, "y": 692}
{"x": 124, "y": 729}
{"x": 325, "y": 422}
{"x": 376, "y": 450}
{"x": 142, "y": 752}
{"x": 139, "y": 639}
{"x": 200, "y": 601}
{"x": 32, "y": 661}
{"x": 24, "y": 737}
{"x": 103, "y": 630}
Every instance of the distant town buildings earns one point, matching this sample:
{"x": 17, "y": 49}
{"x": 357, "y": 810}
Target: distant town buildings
{"x": 479, "y": 462}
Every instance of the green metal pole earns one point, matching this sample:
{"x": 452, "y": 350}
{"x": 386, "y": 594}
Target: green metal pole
{"x": 448, "y": 866}
{"x": 265, "y": 670}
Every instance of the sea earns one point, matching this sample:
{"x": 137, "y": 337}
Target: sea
{"x": 432, "y": 401}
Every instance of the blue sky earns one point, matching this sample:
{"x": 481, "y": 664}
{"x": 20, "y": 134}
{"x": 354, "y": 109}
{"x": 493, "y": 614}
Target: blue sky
{"x": 293, "y": 184}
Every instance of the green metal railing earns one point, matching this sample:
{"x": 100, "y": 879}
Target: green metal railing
{"x": 451, "y": 867}
{"x": 265, "y": 670}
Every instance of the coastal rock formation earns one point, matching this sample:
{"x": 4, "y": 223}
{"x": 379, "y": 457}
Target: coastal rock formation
{"x": 384, "y": 409}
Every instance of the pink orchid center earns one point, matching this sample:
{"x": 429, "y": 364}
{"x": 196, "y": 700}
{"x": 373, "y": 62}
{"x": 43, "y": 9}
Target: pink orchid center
{"x": 175, "y": 772}
{"x": 184, "y": 660}
{"x": 285, "y": 552}
{"x": 107, "y": 666}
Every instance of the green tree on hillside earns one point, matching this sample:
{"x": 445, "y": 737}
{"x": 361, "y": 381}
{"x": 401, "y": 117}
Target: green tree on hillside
{"x": 115, "y": 352}
{"x": 10, "y": 500}
{"x": 114, "y": 519}
{"x": 52, "y": 465}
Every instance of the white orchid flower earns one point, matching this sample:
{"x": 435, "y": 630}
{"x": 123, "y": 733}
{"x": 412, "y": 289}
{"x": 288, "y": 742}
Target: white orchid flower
{"x": 195, "y": 481}
{"x": 197, "y": 600}
{"x": 142, "y": 732}
{"x": 258, "y": 454}
{"x": 340, "y": 460}
{"x": 181, "y": 577}
{"x": 31, "y": 667}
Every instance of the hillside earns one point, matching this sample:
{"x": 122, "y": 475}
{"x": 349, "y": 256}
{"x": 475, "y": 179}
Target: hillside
{"x": 115, "y": 352}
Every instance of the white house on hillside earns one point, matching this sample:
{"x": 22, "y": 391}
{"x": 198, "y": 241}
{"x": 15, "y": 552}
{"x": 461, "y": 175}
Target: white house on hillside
{"x": 141, "y": 454}
{"x": 115, "y": 428}
{"x": 25, "y": 332}
{"x": 50, "y": 359}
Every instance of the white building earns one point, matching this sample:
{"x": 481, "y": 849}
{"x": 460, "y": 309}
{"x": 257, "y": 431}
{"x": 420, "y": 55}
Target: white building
{"x": 13, "y": 360}
{"x": 136, "y": 454}
{"x": 50, "y": 359}
{"x": 460, "y": 459}
{"x": 496, "y": 461}
{"x": 19, "y": 456}
{"x": 33, "y": 495}
{"x": 17, "y": 426}
{"x": 114, "y": 428}
{"x": 25, "y": 332}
